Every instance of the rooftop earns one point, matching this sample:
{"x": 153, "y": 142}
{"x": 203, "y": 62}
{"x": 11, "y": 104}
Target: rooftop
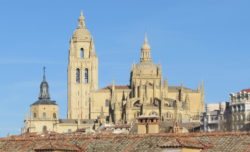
{"x": 122, "y": 87}
{"x": 208, "y": 142}
{"x": 246, "y": 90}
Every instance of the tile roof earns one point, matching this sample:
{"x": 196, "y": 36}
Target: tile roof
{"x": 44, "y": 102}
{"x": 246, "y": 90}
{"x": 186, "y": 143}
{"x": 209, "y": 142}
{"x": 49, "y": 146}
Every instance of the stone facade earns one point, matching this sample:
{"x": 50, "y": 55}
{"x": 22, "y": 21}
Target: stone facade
{"x": 147, "y": 94}
{"x": 240, "y": 110}
{"x": 215, "y": 117}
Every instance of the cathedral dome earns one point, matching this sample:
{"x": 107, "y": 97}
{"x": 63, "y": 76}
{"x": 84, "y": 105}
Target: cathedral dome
{"x": 81, "y": 34}
{"x": 146, "y": 68}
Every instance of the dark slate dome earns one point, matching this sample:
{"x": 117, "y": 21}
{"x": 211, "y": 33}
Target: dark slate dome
{"x": 44, "y": 97}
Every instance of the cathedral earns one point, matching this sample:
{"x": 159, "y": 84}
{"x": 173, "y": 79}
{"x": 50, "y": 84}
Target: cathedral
{"x": 147, "y": 94}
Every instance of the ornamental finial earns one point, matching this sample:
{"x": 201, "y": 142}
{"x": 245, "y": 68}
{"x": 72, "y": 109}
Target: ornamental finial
{"x": 81, "y": 21}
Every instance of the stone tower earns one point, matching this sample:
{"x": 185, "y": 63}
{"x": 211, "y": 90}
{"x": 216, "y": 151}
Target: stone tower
{"x": 82, "y": 72}
{"x": 43, "y": 112}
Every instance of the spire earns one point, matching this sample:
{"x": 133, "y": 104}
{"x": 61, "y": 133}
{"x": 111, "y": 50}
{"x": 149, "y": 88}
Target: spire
{"x": 201, "y": 86}
{"x": 81, "y": 21}
{"x": 113, "y": 85}
{"x": 145, "y": 38}
{"x": 44, "y": 73}
{"x": 165, "y": 83}
{"x": 146, "y": 45}
{"x": 145, "y": 50}
{"x": 44, "y": 87}
{"x": 92, "y": 47}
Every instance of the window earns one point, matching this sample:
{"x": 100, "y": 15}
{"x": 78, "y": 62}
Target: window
{"x": 82, "y": 53}
{"x": 77, "y": 75}
{"x": 44, "y": 115}
{"x": 138, "y": 91}
{"x": 106, "y": 103}
{"x": 44, "y": 128}
{"x": 34, "y": 115}
{"x": 54, "y": 115}
{"x": 239, "y": 108}
{"x": 235, "y": 109}
{"x": 86, "y": 76}
{"x": 242, "y": 107}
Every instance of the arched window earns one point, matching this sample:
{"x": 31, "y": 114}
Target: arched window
{"x": 77, "y": 75}
{"x": 44, "y": 115}
{"x": 34, "y": 115}
{"x": 82, "y": 53}
{"x": 54, "y": 115}
{"x": 86, "y": 76}
{"x": 44, "y": 128}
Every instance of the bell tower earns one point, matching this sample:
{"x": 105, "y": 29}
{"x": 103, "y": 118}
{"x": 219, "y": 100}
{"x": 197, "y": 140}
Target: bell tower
{"x": 82, "y": 71}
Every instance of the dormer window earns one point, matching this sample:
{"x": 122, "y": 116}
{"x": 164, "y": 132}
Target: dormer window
{"x": 81, "y": 53}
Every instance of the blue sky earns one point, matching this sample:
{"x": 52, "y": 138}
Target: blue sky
{"x": 194, "y": 40}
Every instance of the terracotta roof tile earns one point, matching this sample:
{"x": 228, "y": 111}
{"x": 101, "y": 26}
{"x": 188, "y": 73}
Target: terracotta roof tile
{"x": 246, "y": 90}
{"x": 209, "y": 142}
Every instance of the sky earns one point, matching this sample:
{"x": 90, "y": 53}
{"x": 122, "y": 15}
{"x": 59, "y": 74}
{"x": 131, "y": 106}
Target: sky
{"x": 193, "y": 40}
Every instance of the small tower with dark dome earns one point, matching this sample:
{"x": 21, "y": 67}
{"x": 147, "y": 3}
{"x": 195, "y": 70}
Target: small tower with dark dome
{"x": 43, "y": 112}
